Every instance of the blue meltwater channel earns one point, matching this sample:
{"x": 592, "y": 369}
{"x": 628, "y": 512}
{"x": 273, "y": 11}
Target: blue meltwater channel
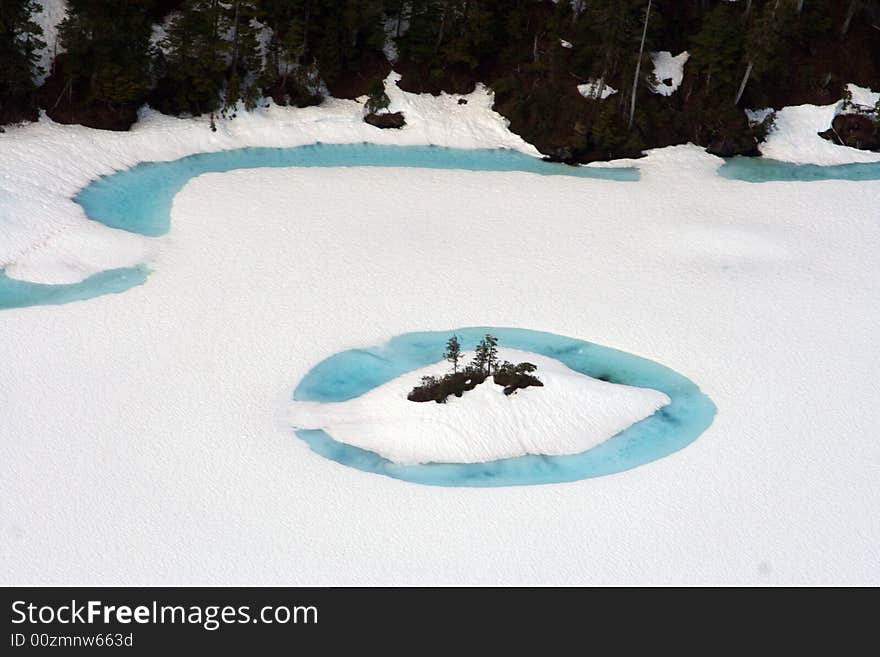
{"x": 351, "y": 373}
{"x": 139, "y": 199}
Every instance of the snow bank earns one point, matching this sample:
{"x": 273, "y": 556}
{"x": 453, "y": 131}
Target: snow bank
{"x": 668, "y": 71}
{"x": 795, "y": 135}
{"x": 46, "y": 238}
{"x": 863, "y": 96}
{"x": 570, "y": 414}
{"x": 591, "y": 88}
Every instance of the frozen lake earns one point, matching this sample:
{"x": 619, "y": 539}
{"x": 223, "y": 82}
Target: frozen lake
{"x": 143, "y": 426}
{"x": 356, "y": 371}
{"x": 139, "y": 199}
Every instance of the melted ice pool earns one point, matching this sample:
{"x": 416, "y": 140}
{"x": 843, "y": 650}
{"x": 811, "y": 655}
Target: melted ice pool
{"x": 350, "y": 374}
{"x": 570, "y": 413}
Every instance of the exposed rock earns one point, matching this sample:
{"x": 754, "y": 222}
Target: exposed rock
{"x": 516, "y": 377}
{"x": 439, "y": 389}
{"x": 731, "y": 145}
{"x": 855, "y": 130}
{"x": 394, "y": 120}
{"x": 564, "y": 154}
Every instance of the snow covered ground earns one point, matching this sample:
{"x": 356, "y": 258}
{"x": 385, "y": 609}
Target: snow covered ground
{"x": 596, "y": 88}
{"x": 144, "y": 436}
{"x": 668, "y": 71}
{"x": 795, "y": 138}
{"x": 45, "y": 237}
{"x": 570, "y": 414}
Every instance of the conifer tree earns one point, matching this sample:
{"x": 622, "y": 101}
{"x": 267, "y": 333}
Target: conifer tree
{"x": 419, "y": 44}
{"x": 764, "y": 41}
{"x": 377, "y": 100}
{"x": 470, "y": 30}
{"x": 634, "y": 93}
{"x": 608, "y": 37}
{"x": 343, "y": 31}
{"x": 245, "y": 61}
{"x": 196, "y": 54}
{"x": 19, "y": 43}
{"x": 107, "y": 46}
{"x": 486, "y": 355}
{"x": 717, "y": 48}
{"x": 453, "y": 352}
{"x": 491, "y": 352}
{"x": 289, "y": 21}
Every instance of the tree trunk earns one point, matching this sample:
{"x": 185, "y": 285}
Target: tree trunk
{"x": 597, "y": 93}
{"x": 576, "y": 8}
{"x": 850, "y": 12}
{"x": 442, "y": 27}
{"x": 742, "y": 85}
{"x": 800, "y": 6}
{"x": 632, "y": 104}
{"x": 235, "y": 36}
{"x": 399, "y": 18}
{"x": 308, "y": 14}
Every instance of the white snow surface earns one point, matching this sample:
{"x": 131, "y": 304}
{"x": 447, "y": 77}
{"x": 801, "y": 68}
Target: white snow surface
{"x": 668, "y": 67}
{"x": 144, "y": 436}
{"x": 590, "y": 89}
{"x": 863, "y": 96}
{"x": 46, "y": 238}
{"x": 571, "y": 413}
{"x": 795, "y": 135}
{"x": 51, "y": 13}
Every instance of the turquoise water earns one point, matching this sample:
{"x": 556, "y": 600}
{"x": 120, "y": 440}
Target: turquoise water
{"x": 351, "y": 373}
{"x": 139, "y": 199}
{"x": 759, "y": 169}
{"x": 18, "y": 294}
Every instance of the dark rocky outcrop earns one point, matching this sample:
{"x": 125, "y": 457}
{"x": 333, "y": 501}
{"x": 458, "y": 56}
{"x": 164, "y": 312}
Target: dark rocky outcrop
{"x": 731, "y": 145}
{"x": 564, "y": 154}
{"x": 855, "y": 130}
{"x": 516, "y": 377}
{"x": 438, "y": 389}
{"x": 394, "y": 120}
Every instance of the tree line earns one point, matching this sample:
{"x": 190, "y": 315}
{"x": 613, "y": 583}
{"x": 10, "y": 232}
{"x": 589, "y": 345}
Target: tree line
{"x": 192, "y": 57}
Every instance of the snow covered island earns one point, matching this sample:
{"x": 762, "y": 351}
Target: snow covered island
{"x": 565, "y": 413}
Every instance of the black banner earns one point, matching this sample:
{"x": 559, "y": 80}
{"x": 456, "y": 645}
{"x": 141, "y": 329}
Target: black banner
{"x": 547, "y": 621}
{"x": 148, "y": 620}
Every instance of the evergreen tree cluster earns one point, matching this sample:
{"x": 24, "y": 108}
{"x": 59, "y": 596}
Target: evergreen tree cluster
{"x": 188, "y": 57}
{"x": 19, "y": 44}
{"x": 485, "y": 364}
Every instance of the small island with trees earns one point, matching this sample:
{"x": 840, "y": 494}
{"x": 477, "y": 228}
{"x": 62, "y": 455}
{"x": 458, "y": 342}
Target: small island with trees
{"x": 485, "y": 365}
